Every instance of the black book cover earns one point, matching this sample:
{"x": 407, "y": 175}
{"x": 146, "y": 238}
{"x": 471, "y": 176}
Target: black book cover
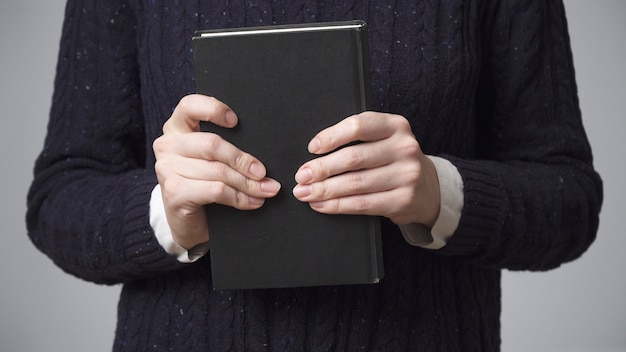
{"x": 286, "y": 83}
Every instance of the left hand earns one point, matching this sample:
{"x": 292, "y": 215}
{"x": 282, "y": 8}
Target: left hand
{"x": 385, "y": 175}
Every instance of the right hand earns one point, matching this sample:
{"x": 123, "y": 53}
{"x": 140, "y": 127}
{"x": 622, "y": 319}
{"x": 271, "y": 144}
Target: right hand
{"x": 197, "y": 168}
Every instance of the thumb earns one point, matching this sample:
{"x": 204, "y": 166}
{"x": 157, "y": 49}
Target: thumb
{"x": 195, "y": 108}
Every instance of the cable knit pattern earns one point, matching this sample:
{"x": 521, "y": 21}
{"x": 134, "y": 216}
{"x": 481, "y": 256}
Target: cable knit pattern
{"x": 489, "y": 85}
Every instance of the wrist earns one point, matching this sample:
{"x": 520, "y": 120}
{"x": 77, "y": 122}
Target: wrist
{"x": 189, "y": 242}
{"x": 164, "y": 235}
{"x": 433, "y": 194}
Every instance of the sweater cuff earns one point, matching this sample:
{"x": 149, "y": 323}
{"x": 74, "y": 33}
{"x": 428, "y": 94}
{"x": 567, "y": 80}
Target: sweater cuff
{"x": 143, "y": 252}
{"x": 481, "y": 219}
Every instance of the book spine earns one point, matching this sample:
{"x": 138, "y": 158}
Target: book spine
{"x": 363, "y": 63}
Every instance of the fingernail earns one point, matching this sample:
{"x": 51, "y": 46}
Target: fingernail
{"x": 301, "y": 191}
{"x": 231, "y": 118}
{"x": 316, "y": 205}
{"x": 270, "y": 186}
{"x": 256, "y": 201}
{"x": 257, "y": 170}
{"x": 314, "y": 145}
{"x": 304, "y": 176}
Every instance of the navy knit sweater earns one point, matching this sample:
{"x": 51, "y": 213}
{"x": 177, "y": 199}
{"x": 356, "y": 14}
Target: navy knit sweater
{"x": 488, "y": 85}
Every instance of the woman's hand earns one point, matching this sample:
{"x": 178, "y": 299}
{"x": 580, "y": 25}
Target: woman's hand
{"x": 386, "y": 175}
{"x": 197, "y": 168}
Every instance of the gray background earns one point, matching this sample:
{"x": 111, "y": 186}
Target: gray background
{"x": 579, "y": 307}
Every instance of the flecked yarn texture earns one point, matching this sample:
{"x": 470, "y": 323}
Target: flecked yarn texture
{"x": 488, "y": 85}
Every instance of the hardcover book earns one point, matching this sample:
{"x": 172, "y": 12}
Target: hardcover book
{"x": 287, "y": 83}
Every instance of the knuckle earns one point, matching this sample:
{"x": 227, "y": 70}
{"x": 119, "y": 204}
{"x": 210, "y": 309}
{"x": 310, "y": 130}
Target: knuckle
{"x": 321, "y": 190}
{"x": 159, "y": 145}
{"x": 167, "y": 126}
{"x": 354, "y": 157}
{"x": 185, "y": 104}
{"x": 241, "y": 160}
{"x": 250, "y": 185}
{"x": 413, "y": 173}
{"x": 214, "y": 107}
{"x": 401, "y": 125}
{"x": 185, "y": 100}
{"x": 217, "y": 189}
{"x": 220, "y": 170}
{"x": 239, "y": 200}
{"x": 411, "y": 146}
{"x": 161, "y": 167}
{"x": 170, "y": 190}
{"x": 332, "y": 206}
{"x": 360, "y": 203}
{"x": 242, "y": 201}
{"x": 402, "y": 122}
{"x": 320, "y": 170}
{"x": 190, "y": 101}
{"x": 357, "y": 124}
{"x": 210, "y": 100}
{"x": 210, "y": 141}
{"x": 354, "y": 182}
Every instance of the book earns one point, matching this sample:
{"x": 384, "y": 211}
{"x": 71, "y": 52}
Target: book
{"x": 287, "y": 83}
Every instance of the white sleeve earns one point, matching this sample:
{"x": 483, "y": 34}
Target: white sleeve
{"x": 451, "y": 188}
{"x": 163, "y": 233}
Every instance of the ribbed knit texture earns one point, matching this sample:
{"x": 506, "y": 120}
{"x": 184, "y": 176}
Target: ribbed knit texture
{"x": 487, "y": 84}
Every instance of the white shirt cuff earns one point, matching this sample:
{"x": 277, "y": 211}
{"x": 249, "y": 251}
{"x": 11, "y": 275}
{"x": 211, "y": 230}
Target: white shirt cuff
{"x": 451, "y": 188}
{"x": 163, "y": 233}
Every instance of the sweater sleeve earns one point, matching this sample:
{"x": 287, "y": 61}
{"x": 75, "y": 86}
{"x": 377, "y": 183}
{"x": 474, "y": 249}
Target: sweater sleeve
{"x": 531, "y": 198}
{"x": 88, "y": 203}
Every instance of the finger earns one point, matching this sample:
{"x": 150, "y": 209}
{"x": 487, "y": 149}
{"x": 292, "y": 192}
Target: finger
{"x": 356, "y": 157}
{"x": 211, "y": 147}
{"x": 198, "y": 169}
{"x": 197, "y": 193}
{"x": 376, "y": 204}
{"x": 366, "y": 126}
{"x": 347, "y": 159}
{"x": 364, "y": 181}
{"x": 195, "y": 108}
{"x": 388, "y": 204}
